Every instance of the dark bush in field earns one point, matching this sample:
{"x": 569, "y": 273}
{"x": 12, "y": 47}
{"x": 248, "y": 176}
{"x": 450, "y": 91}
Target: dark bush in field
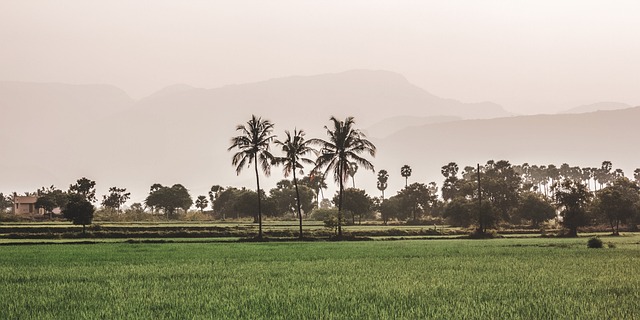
{"x": 594, "y": 242}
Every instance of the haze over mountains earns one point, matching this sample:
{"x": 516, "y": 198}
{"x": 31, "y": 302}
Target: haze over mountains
{"x": 54, "y": 134}
{"x": 599, "y": 106}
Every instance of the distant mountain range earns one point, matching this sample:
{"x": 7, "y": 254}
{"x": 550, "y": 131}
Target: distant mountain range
{"x": 600, "y": 106}
{"x": 54, "y": 134}
{"x": 578, "y": 139}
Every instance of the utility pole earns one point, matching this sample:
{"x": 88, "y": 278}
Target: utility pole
{"x": 480, "y": 217}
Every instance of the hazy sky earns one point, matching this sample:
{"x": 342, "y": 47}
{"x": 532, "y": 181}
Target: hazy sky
{"x": 529, "y": 56}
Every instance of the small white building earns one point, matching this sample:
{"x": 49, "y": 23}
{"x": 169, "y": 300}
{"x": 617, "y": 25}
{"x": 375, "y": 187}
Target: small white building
{"x": 26, "y": 205}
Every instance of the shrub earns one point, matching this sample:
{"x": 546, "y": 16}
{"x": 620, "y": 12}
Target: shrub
{"x": 477, "y": 234}
{"x": 323, "y": 214}
{"x": 594, "y": 242}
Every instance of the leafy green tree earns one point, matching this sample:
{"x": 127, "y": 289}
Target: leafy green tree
{"x": 572, "y": 198}
{"x": 79, "y": 210}
{"x": 344, "y": 146}
{"x": 458, "y": 212}
{"x": 116, "y": 198}
{"x": 169, "y": 198}
{"x": 136, "y": 207}
{"x": 415, "y": 200}
{"x": 618, "y": 203}
{"x": 84, "y": 187}
{"x": 50, "y": 199}
{"x": 405, "y": 172}
{"x": 536, "y": 208}
{"x": 253, "y": 146}
{"x": 213, "y": 195}
{"x": 295, "y": 148}
{"x": 356, "y": 201}
{"x": 500, "y": 186}
{"x": 285, "y": 200}
{"x": 486, "y": 216}
{"x": 224, "y": 202}
{"x": 245, "y": 203}
{"x": 383, "y": 177}
{"x": 5, "y": 202}
{"x": 202, "y": 203}
{"x": 389, "y": 209}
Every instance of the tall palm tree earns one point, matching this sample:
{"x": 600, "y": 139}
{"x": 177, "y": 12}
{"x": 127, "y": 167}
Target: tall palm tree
{"x": 344, "y": 146}
{"x": 295, "y": 148}
{"x": 253, "y": 147}
{"x": 405, "y": 171}
{"x": 383, "y": 176}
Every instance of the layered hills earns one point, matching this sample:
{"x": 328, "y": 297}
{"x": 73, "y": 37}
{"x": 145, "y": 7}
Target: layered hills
{"x": 54, "y": 134}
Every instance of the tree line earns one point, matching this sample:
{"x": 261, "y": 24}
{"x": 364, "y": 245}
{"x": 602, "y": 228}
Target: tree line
{"x": 499, "y": 193}
{"x": 484, "y": 196}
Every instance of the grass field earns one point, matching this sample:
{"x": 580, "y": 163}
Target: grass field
{"x": 439, "y": 279}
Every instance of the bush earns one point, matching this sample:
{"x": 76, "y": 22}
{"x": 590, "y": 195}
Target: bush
{"x": 323, "y": 214}
{"x": 594, "y": 242}
{"x": 477, "y": 234}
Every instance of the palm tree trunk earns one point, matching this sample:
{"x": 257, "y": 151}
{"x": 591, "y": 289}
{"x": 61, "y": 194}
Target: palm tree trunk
{"x": 259, "y": 204}
{"x": 295, "y": 183}
{"x": 340, "y": 203}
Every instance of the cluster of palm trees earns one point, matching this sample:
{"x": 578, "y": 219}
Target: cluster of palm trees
{"x": 543, "y": 176}
{"x": 341, "y": 154}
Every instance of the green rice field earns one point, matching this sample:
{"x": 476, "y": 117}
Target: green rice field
{"x": 533, "y": 278}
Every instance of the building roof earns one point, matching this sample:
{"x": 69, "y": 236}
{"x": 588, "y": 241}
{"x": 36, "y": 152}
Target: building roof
{"x": 25, "y": 199}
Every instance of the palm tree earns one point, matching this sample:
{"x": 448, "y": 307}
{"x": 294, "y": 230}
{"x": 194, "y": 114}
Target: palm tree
{"x": 604, "y": 174}
{"x": 383, "y": 176}
{"x": 201, "y": 203}
{"x": 344, "y": 146}
{"x": 316, "y": 181}
{"x": 405, "y": 171}
{"x": 253, "y": 147}
{"x": 295, "y": 148}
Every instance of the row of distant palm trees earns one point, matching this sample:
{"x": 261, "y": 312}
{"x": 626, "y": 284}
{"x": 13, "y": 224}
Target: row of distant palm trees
{"x": 344, "y": 147}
